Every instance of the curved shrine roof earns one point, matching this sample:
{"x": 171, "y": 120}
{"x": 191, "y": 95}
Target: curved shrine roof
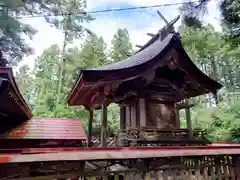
{"x": 12, "y": 93}
{"x": 139, "y": 58}
{"x": 92, "y": 82}
{"x": 13, "y": 107}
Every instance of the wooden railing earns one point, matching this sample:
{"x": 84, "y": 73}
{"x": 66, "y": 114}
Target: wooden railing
{"x": 144, "y": 136}
{"x": 111, "y": 142}
{"x": 200, "y": 168}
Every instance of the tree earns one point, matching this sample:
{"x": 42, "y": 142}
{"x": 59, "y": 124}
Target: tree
{"x": 230, "y": 12}
{"x": 93, "y": 52}
{"x": 121, "y": 46}
{"x": 46, "y": 80}
{"x": 213, "y": 54}
{"x": 12, "y": 29}
{"x": 24, "y": 80}
{"x": 220, "y": 123}
{"x": 193, "y": 11}
{"x": 71, "y": 25}
{"x": 216, "y": 57}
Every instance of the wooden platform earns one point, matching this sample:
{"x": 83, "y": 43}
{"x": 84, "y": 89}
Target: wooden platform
{"x": 63, "y": 163}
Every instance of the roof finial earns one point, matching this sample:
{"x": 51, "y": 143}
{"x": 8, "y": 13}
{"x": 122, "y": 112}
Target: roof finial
{"x": 162, "y": 33}
{"x": 163, "y": 18}
{"x": 168, "y": 28}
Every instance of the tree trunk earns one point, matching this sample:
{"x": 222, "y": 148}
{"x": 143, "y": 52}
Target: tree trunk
{"x": 61, "y": 69}
{"x": 214, "y": 75}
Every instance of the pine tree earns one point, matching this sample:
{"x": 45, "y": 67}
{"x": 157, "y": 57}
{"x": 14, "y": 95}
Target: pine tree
{"x": 46, "y": 80}
{"x": 230, "y": 12}
{"x": 93, "y": 52}
{"x": 12, "y": 27}
{"x": 121, "y": 46}
{"x": 72, "y": 28}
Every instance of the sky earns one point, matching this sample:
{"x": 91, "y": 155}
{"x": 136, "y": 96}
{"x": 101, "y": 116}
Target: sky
{"x": 137, "y": 22}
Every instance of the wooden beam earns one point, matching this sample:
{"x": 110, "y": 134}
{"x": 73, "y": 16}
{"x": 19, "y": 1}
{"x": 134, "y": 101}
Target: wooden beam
{"x": 177, "y": 116}
{"x": 142, "y": 112}
{"x": 156, "y": 97}
{"x": 122, "y": 117}
{"x": 184, "y": 106}
{"x": 163, "y": 18}
{"x": 90, "y": 128}
{"x": 189, "y": 123}
{"x": 215, "y": 96}
{"x": 151, "y": 34}
{"x": 139, "y": 46}
{"x": 104, "y": 126}
{"x": 166, "y": 82}
{"x": 137, "y": 111}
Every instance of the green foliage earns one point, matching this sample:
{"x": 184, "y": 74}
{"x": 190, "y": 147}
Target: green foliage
{"x": 217, "y": 58}
{"x": 93, "y": 53}
{"x": 212, "y": 54}
{"x": 24, "y": 79}
{"x": 221, "y": 123}
{"x": 44, "y": 80}
{"x": 73, "y": 15}
{"x": 231, "y": 16}
{"x": 13, "y": 30}
{"x": 121, "y": 45}
{"x": 193, "y": 12}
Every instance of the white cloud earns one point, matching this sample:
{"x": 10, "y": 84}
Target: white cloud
{"x": 45, "y": 37}
{"x": 91, "y": 4}
{"x": 105, "y": 25}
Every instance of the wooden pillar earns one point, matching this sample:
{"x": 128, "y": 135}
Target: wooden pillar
{"x": 104, "y": 128}
{"x": 215, "y": 96}
{"x": 142, "y": 113}
{"x": 122, "y": 117}
{"x": 189, "y": 123}
{"x": 127, "y": 117}
{"x": 137, "y": 110}
{"x": 178, "y": 123}
{"x": 133, "y": 115}
{"x": 236, "y": 161}
{"x": 90, "y": 128}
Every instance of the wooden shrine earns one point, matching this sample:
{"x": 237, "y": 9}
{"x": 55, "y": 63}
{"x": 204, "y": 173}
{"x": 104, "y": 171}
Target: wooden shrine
{"x": 148, "y": 88}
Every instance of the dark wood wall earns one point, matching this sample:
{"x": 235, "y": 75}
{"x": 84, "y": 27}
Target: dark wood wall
{"x": 147, "y": 113}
